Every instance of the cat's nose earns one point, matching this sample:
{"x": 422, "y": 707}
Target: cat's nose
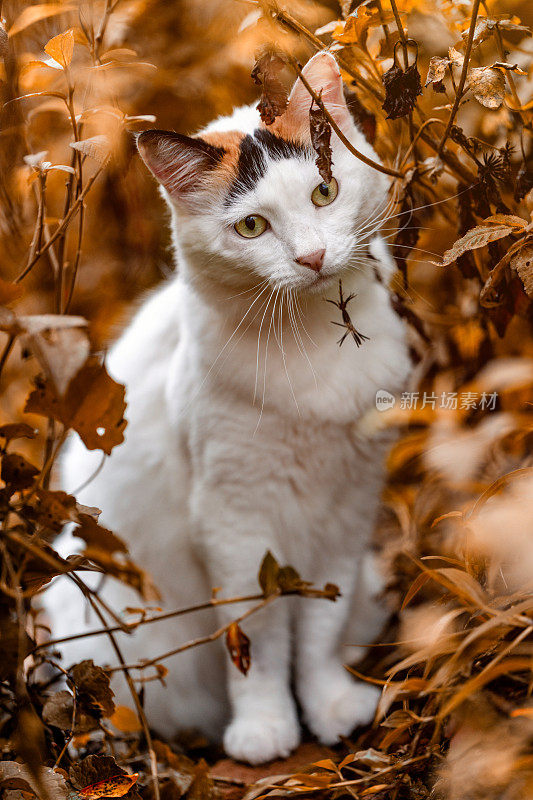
{"x": 312, "y": 260}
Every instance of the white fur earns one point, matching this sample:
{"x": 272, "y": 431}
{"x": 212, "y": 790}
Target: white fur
{"x": 242, "y": 439}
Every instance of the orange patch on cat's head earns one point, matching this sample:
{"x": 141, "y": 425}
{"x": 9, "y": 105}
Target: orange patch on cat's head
{"x": 230, "y": 141}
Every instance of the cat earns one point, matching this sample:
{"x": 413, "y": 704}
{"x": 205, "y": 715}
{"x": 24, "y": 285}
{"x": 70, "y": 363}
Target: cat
{"x": 243, "y": 428}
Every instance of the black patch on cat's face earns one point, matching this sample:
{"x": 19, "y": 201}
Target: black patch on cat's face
{"x": 254, "y": 154}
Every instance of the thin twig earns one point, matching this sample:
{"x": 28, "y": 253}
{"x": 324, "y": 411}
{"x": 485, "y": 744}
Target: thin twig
{"x": 462, "y": 79}
{"x": 211, "y": 637}
{"x": 346, "y": 142}
{"x": 62, "y": 226}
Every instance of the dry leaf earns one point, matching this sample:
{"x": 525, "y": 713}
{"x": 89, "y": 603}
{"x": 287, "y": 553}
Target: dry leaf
{"x": 238, "y": 645}
{"x": 402, "y": 87}
{"x": 93, "y": 406}
{"x": 274, "y": 93}
{"x": 32, "y": 14}
{"x": 522, "y": 263}
{"x": 320, "y": 130}
{"x": 475, "y": 238}
{"x": 61, "y": 48}
{"x": 97, "y": 148}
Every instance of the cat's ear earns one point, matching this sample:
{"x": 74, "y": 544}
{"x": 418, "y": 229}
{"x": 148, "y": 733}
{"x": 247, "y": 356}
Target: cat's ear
{"x": 180, "y": 163}
{"x": 323, "y": 75}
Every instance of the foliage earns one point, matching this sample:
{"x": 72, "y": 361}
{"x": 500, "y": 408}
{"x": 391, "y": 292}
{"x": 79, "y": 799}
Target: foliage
{"x": 76, "y": 214}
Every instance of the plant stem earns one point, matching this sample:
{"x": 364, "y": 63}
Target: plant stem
{"x": 346, "y": 142}
{"x": 462, "y": 79}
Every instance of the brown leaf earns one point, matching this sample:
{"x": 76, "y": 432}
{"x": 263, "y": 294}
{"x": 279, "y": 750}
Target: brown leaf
{"x": 437, "y": 70}
{"x": 93, "y": 693}
{"x": 16, "y": 430}
{"x": 320, "y": 130}
{"x": 100, "y": 776}
{"x": 10, "y": 641}
{"x": 274, "y": 93}
{"x": 486, "y": 26}
{"x": 97, "y": 537}
{"x": 488, "y": 83}
{"x": 268, "y": 574}
{"x": 238, "y": 645}
{"x": 58, "y": 711}
{"x": 401, "y": 90}
{"x": 522, "y": 262}
{"x": 17, "y": 473}
{"x": 20, "y": 776}
{"x": 93, "y": 406}
{"x": 475, "y": 238}
{"x": 61, "y": 48}
{"x": 52, "y": 509}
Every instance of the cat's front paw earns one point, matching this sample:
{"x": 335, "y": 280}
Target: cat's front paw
{"x": 261, "y": 738}
{"x": 339, "y": 707}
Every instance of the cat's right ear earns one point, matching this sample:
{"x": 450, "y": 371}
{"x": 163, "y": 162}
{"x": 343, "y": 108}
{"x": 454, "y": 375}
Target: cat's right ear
{"x": 180, "y": 163}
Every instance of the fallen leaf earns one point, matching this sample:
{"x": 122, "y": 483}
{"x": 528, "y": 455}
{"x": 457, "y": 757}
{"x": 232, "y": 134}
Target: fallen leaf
{"x": 21, "y": 777}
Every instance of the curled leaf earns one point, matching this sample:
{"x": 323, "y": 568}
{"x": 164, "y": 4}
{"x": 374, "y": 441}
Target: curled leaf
{"x": 274, "y": 94}
{"x": 475, "y": 238}
{"x": 238, "y": 645}
{"x": 402, "y": 87}
{"x": 320, "y": 130}
{"x": 61, "y": 48}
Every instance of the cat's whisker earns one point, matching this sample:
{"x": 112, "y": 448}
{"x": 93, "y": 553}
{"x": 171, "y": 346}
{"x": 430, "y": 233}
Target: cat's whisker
{"x": 261, "y": 292}
{"x": 284, "y": 297}
{"x": 263, "y": 283}
{"x": 265, "y": 364}
{"x": 299, "y": 338}
{"x": 271, "y": 295}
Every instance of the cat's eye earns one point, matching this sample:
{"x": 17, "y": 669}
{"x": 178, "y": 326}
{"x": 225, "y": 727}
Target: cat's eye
{"x": 325, "y": 193}
{"x": 251, "y": 226}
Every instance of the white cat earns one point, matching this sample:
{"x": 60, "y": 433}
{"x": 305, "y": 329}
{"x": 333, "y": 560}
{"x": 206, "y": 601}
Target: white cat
{"x": 243, "y": 427}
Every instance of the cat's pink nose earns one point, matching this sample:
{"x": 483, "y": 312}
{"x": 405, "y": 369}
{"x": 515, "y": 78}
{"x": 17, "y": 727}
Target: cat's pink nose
{"x": 312, "y": 260}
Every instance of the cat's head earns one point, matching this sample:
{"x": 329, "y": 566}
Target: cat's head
{"x": 248, "y": 203}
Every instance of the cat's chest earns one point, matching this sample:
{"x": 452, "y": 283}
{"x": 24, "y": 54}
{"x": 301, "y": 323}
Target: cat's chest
{"x": 304, "y": 372}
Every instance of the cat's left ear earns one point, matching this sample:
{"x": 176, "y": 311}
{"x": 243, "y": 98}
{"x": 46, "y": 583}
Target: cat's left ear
{"x": 323, "y": 75}
{"x": 180, "y": 163}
